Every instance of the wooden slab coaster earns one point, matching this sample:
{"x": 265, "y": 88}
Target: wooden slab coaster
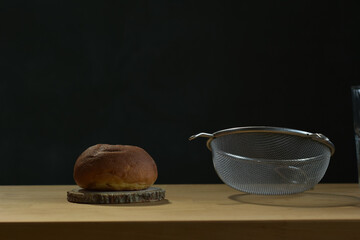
{"x": 150, "y": 194}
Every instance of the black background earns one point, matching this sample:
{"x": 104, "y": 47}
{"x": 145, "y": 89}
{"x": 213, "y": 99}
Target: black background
{"x": 152, "y": 73}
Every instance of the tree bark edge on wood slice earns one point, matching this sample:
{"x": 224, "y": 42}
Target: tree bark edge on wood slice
{"x": 151, "y": 194}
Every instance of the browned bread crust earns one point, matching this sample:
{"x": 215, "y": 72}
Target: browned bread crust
{"x": 115, "y": 167}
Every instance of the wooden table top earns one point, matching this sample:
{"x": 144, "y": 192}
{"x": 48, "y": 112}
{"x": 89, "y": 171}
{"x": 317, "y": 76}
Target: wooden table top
{"x": 206, "y": 208}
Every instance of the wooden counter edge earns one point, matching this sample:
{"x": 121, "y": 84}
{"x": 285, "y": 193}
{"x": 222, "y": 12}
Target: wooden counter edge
{"x": 325, "y": 229}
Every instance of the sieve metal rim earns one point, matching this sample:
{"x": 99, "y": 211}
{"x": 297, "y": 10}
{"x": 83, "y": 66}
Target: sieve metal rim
{"x": 267, "y": 129}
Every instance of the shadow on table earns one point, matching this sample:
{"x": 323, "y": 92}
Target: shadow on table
{"x": 301, "y": 200}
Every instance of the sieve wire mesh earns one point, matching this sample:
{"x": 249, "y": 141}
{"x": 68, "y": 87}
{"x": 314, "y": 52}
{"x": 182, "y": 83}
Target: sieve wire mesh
{"x": 269, "y": 163}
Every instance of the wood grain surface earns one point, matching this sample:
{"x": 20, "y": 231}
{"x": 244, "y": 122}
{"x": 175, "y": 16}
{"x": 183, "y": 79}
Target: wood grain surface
{"x": 188, "y": 212}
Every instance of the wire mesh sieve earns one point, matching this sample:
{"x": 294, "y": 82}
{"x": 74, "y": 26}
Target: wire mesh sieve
{"x": 269, "y": 160}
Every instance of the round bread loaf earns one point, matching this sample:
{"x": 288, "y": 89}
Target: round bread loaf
{"x": 115, "y": 167}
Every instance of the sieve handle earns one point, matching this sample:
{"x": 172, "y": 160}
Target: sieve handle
{"x": 205, "y": 135}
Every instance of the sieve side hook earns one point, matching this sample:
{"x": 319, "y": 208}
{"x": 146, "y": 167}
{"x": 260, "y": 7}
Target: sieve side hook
{"x": 322, "y": 139}
{"x": 205, "y": 135}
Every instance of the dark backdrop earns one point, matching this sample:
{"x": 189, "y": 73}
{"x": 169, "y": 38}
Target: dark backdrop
{"x": 152, "y": 73}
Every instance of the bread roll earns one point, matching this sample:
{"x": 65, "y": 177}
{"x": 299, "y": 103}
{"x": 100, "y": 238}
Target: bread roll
{"x": 115, "y": 167}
